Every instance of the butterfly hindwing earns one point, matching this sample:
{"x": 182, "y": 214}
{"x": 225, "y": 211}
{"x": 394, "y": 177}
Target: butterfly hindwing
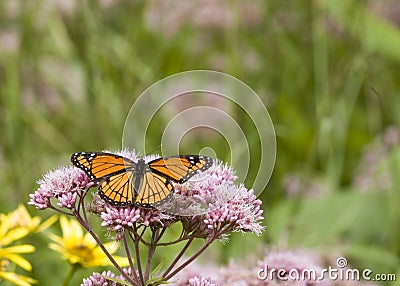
{"x": 153, "y": 189}
{"x": 118, "y": 189}
{"x": 180, "y": 168}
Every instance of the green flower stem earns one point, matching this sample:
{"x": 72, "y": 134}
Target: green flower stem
{"x": 74, "y": 268}
{"x": 150, "y": 253}
{"x": 110, "y": 257}
{"x": 178, "y": 257}
{"x": 136, "y": 241}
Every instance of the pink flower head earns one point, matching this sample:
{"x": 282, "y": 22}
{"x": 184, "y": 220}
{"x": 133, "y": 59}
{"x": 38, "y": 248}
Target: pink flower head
{"x": 97, "y": 279}
{"x": 234, "y": 206}
{"x": 63, "y": 184}
{"x": 207, "y": 182}
{"x": 198, "y": 274}
{"x": 118, "y": 218}
{"x": 211, "y": 202}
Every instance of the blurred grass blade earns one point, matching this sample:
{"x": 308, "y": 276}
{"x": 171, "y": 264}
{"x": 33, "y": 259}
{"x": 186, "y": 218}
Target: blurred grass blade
{"x": 375, "y": 34}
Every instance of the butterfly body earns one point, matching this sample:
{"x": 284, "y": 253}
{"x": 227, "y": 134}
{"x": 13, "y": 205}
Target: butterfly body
{"x": 139, "y": 171}
{"x": 125, "y": 182}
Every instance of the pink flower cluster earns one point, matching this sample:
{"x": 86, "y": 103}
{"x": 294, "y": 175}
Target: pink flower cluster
{"x": 97, "y": 279}
{"x": 235, "y": 206}
{"x": 63, "y": 184}
{"x": 116, "y": 218}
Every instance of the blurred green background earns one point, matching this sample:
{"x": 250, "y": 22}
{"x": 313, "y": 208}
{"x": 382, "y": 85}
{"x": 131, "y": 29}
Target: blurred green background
{"x": 328, "y": 72}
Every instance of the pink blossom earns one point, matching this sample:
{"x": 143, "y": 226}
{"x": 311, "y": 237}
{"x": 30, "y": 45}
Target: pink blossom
{"x": 119, "y": 218}
{"x": 62, "y": 184}
{"x": 97, "y": 279}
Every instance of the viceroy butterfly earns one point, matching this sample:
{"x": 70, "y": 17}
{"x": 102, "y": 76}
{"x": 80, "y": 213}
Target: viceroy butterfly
{"x": 124, "y": 182}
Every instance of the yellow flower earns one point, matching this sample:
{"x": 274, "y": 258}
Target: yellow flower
{"x": 82, "y": 249}
{"x": 9, "y": 233}
{"x": 20, "y": 218}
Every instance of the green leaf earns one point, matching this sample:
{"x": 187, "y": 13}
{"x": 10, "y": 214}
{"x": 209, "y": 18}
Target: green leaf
{"x": 156, "y": 281}
{"x": 346, "y": 216}
{"x": 157, "y": 269}
{"x": 122, "y": 282}
{"x": 373, "y": 257}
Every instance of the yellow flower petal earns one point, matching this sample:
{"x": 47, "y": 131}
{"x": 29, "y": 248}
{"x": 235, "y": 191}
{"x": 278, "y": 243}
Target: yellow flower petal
{"x": 47, "y": 223}
{"x": 13, "y": 235}
{"x": 81, "y": 249}
{"x": 57, "y": 247}
{"x": 24, "y": 248}
{"x": 22, "y": 217}
{"x": 17, "y": 279}
{"x": 89, "y": 241}
{"x": 14, "y": 226}
{"x": 19, "y": 260}
{"x": 112, "y": 247}
{"x": 122, "y": 261}
{"x": 56, "y": 238}
{"x": 71, "y": 230}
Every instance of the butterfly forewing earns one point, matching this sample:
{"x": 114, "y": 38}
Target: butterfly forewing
{"x": 180, "y": 168}
{"x": 98, "y": 165}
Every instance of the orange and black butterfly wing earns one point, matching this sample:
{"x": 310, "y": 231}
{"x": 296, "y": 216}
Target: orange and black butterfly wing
{"x": 101, "y": 165}
{"x": 153, "y": 189}
{"x": 118, "y": 189}
{"x": 180, "y": 168}
{"x": 115, "y": 174}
